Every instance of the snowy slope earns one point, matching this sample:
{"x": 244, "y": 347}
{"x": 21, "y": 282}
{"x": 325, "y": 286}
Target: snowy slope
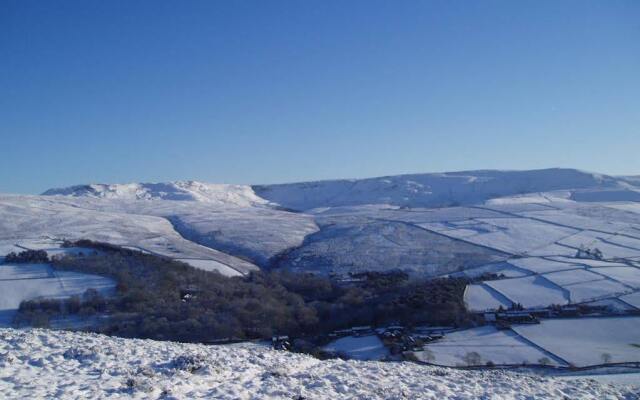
{"x": 415, "y": 190}
{"x": 26, "y": 218}
{"x": 238, "y": 195}
{"x": 342, "y": 229}
{"x": 433, "y": 190}
{"x": 53, "y": 364}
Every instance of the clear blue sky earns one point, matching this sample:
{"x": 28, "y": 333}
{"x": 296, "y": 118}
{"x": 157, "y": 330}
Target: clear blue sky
{"x": 276, "y": 91}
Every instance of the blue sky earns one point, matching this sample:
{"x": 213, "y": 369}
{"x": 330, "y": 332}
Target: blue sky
{"x": 277, "y": 91}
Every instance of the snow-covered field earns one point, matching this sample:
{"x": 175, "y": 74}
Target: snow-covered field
{"x": 363, "y": 348}
{"x": 526, "y": 227}
{"x": 481, "y": 297}
{"x": 64, "y": 365}
{"x": 20, "y": 282}
{"x": 501, "y": 347}
{"x": 578, "y": 341}
{"x": 584, "y": 341}
{"x": 530, "y": 291}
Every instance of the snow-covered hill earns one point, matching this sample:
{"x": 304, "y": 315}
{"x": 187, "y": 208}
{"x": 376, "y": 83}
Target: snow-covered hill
{"x": 345, "y": 225}
{"x": 64, "y": 365}
{"x": 524, "y": 226}
{"x": 221, "y": 194}
{"x": 415, "y": 190}
{"x": 435, "y": 190}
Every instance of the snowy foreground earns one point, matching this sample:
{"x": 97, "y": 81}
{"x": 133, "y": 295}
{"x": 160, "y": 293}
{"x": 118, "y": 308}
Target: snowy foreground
{"x": 38, "y": 364}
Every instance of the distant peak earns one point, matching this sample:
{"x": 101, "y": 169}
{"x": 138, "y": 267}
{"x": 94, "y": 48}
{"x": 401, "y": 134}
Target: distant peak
{"x": 237, "y": 195}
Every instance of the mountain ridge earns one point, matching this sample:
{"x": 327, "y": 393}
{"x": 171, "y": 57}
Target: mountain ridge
{"x": 412, "y": 190}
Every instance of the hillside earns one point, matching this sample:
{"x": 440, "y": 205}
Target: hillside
{"x": 50, "y": 364}
{"x": 555, "y": 239}
{"x": 414, "y": 190}
{"x": 434, "y": 190}
{"x": 221, "y": 194}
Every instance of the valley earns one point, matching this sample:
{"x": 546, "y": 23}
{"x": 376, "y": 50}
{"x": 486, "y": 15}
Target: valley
{"x": 561, "y": 247}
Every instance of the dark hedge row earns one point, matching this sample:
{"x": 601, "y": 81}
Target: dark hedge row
{"x": 27, "y": 257}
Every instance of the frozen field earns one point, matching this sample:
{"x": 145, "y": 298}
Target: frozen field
{"x": 632, "y": 299}
{"x": 359, "y": 347}
{"x": 629, "y": 276}
{"x": 54, "y": 364}
{"x": 556, "y": 280}
{"x": 583, "y": 341}
{"x": 570, "y": 277}
{"x": 502, "y": 347}
{"x": 530, "y": 291}
{"x": 516, "y": 236}
{"x": 595, "y": 290}
{"x": 480, "y": 297}
{"x": 29, "y": 281}
{"x": 542, "y": 265}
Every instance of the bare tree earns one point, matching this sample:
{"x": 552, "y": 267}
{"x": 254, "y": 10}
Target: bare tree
{"x": 544, "y": 361}
{"x": 606, "y": 358}
{"x": 472, "y": 358}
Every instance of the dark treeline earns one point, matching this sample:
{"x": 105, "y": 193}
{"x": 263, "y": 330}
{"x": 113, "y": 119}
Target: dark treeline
{"x": 161, "y": 298}
{"x": 27, "y": 257}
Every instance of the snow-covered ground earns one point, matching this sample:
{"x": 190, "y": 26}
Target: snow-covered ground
{"x": 481, "y": 297}
{"x": 222, "y": 194}
{"x": 524, "y": 226}
{"x": 28, "y": 219}
{"x": 584, "y": 341}
{"x": 530, "y": 291}
{"x": 562, "y": 342}
{"x": 501, "y": 347}
{"x": 20, "y": 282}
{"x": 64, "y": 365}
{"x": 433, "y": 190}
{"x": 363, "y": 348}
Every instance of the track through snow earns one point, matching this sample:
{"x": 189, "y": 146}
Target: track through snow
{"x": 65, "y": 365}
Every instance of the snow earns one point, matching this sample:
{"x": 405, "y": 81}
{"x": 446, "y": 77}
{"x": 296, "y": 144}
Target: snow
{"x": 570, "y": 216}
{"x": 588, "y": 262}
{"x": 613, "y": 305}
{"x": 541, "y": 265}
{"x": 19, "y": 282}
{"x": 56, "y": 364}
{"x": 431, "y": 190}
{"x": 625, "y": 378}
{"x": 502, "y": 347}
{"x": 526, "y": 225}
{"x": 605, "y": 242}
{"x": 373, "y": 245}
{"x": 570, "y": 277}
{"x": 481, "y": 297}
{"x": 595, "y": 290}
{"x": 510, "y": 235}
{"x": 632, "y": 299}
{"x": 582, "y": 341}
{"x": 257, "y": 233}
{"x": 44, "y": 221}
{"x": 606, "y": 195}
{"x": 629, "y": 276}
{"x": 211, "y": 265}
{"x": 359, "y": 347}
{"x": 237, "y": 195}
{"x": 530, "y": 291}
